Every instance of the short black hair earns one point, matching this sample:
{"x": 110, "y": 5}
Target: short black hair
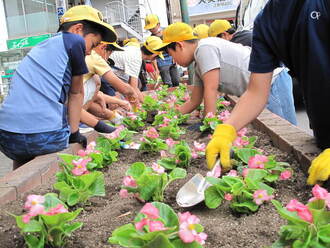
{"x": 229, "y": 31}
{"x": 146, "y": 51}
{"x": 88, "y": 27}
{"x": 173, "y": 44}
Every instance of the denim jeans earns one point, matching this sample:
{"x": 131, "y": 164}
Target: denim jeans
{"x": 169, "y": 75}
{"x": 25, "y": 147}
{"x": 280, "y": 100}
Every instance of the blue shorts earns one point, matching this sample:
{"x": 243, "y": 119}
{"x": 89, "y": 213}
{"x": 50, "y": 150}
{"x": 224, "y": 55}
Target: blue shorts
{"x": 25, "y": 147}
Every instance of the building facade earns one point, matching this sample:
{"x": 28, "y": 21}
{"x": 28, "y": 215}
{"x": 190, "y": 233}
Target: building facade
{"x": 25, "y": 23}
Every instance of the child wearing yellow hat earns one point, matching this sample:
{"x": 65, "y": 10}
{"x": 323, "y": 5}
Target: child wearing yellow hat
{"x": 49, "y": 85}
{"x": 223, "y": 65}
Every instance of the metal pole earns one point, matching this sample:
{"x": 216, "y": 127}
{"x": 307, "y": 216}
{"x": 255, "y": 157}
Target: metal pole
{"x": 186, "y": 19}
{"x": 184, "y": 11}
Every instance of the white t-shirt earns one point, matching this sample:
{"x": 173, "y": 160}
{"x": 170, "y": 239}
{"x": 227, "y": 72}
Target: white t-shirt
{"x": 128, "y": 61}
{"x": 231, "y": 58}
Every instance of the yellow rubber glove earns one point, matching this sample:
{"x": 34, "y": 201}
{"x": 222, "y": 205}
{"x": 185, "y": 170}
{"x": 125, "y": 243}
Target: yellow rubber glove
{"x": 221, "y": 142}
{"x": 320, "y": 168}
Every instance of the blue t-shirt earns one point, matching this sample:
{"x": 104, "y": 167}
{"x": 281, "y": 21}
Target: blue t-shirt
{"x": 40, "y": 85}
{"x": 297, "y": 33}
{"x": 168, "y": 60}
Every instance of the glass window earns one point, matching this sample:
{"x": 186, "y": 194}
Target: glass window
{"x": 30, "y": 17}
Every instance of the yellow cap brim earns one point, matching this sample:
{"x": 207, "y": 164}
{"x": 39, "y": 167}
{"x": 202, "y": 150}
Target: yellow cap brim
{"x": 163, "y": 46}
{"x": 114, "y": 44}
{"x": 150, "y": 26}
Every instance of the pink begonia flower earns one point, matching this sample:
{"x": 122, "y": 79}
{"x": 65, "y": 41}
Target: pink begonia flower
{"x": 139, "y": 225}
{"x": 81, "y": 153}
{"x": 154, "y": 97}
{"x": 165, "y": 123}
{"x": 170, "y": 142}
{"x": 80, "y": 166}
{"x": 131, "y": 115}
{"x": 232, "y": 173}
{"x": 199, "y": 147}
{"x": 242, "y": 132}
{"x": 59, "y": 209}
{"x": 216, "y": 173}
{"x": 33, "y": 200}
{"x": 209, "y": 115}
{"x": 301, "y": 209}
{"x": 186, "y": 97}
{"x": 150, "y": 211}
{"x": 163, "y": 154}
{"x": 187, "y": 232}
{"x": 177, "y": 161}
{"x": 26, "y": 218}
{"x": 142, "y": 139}
{"x": 172, "y": 99}
{"x": 175, "y": 117}
{"x": 194, "y": 155}
{"x": 129, "y": 181}
{"x": 239, "y": 142}
{"x": 224, "y": 115}
{"x": 115, "y": 134}
{"x": 157, "y": 168}
{"x": 225, "y": 103}
{"x": 162, "y": 112}
{"x": 156, "y": 226}
{"x": 257, "y": 161}
{"x": 151, "y": 133}
{"x": 123, "y": 193}
{"x": 285, "y": 175}
{"x": 260, "y": 196}
{"x": 245, "y": 172}
{"x": 228, "y": 197}
{"x": 320, "y": 193}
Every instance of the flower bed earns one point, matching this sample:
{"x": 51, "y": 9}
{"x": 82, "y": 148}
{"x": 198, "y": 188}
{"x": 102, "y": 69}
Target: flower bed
{"x": 224, "y": 228}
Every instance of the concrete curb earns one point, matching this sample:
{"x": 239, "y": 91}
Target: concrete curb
{"x": 285, "y": 136}
{"x": 34, "y": 173}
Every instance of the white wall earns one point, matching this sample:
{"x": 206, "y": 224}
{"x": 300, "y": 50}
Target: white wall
{"x": 3, "y": 28}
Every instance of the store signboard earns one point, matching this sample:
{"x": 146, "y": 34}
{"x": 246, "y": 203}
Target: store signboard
{"x": 26, "y": 41}
{"x": 201, "y": 7}
{"x": 60, "y": 8}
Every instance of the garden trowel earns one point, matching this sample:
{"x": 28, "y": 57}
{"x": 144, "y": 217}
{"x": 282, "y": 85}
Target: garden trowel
{"x": 192, "y": 192}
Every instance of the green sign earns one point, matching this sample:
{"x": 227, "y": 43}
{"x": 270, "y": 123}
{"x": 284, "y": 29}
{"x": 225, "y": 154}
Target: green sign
{"x": 26, "y": 41}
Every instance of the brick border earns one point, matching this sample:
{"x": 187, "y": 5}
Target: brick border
{"x": 282, "y": 133}
{"x": 34, "y": 173}
{"x": 285, "y": 136}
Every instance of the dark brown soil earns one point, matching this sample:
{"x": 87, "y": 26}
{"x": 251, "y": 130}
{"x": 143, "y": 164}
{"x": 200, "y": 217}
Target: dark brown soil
{"x": 224, "y": 229}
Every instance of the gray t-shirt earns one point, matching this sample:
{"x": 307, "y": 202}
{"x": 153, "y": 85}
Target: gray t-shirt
{"x": 231, "y": 58}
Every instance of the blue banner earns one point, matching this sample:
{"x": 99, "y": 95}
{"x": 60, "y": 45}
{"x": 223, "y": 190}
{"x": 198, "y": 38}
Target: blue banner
{"x": 200, "y": 7}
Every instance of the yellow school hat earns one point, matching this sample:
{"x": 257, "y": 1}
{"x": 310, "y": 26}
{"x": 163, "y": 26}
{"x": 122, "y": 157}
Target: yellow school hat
{"x": 176, "y": 32}
{"x": 202, "y": 31}
{"x": 115, "y": 46}
{"x": 88, "y": 13}
{"x": 130, "y": 40}
{"x": 219, "y": 26}
{"x": 153, "y": 42}
{"x": 151, "y": 21}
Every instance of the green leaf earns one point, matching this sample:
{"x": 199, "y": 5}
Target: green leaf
{"x": 213, "y": 180}
{"x": 97, "y": 188}
{"x": 148, "y": 184}
{"x": 199, "y": 228}
{"x": 69, "y": 228}
{"x": 167, "y": 163}
{"x": 167, "y": 214}
{"x": 73, "y": 199}
{"x": 51, "y": 201}
{"x": 177, "y": 173}
{"x": 126, "y": 236}
{"x": 213, "y": 197}
{"x": 256, "y": 174}
{"x": 246, "y": 153}
{"x": 57, "y": 219}
{"x": 160, "y": 241}
{"x": 34, "y": 242}
{"x": 67, "y": 158}
{"x": 32, "y": 226}
{"x": 179, "y": 244}
{"x": 324, "y": 234}
{"x": 136, "y": 170}
{"x": 244, "y": 207}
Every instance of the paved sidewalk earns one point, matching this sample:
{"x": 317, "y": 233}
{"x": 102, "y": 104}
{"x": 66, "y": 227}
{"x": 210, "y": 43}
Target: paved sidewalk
{"x": 5, "y": 165}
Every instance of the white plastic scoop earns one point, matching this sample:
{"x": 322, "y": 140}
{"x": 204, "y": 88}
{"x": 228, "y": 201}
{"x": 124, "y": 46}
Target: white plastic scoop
{"x": 192, "y": 192}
